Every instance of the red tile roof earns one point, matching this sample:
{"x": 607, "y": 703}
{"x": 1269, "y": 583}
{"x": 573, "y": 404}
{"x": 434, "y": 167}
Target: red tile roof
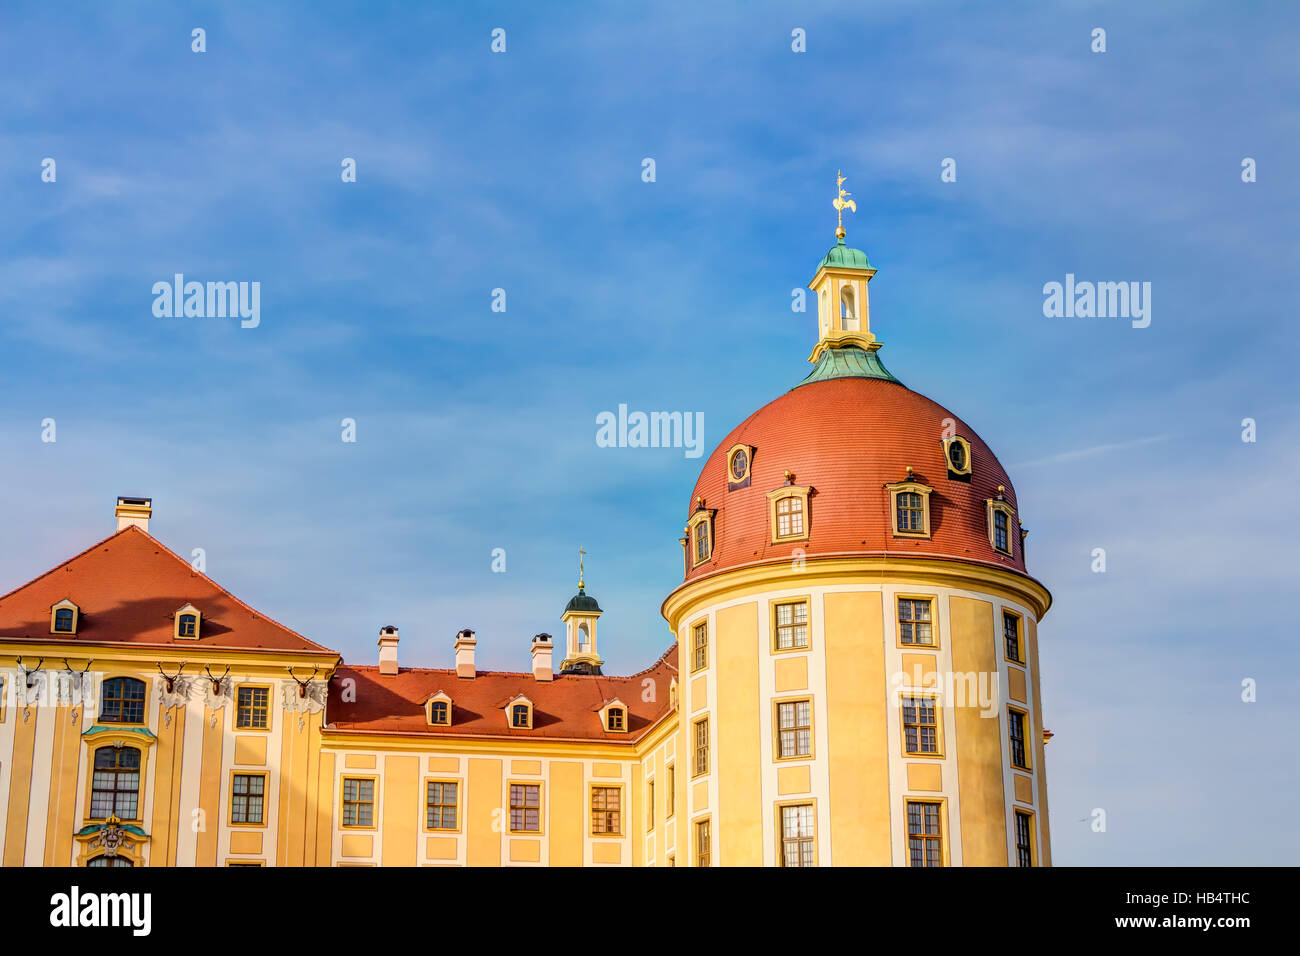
{"x": 128, "y": 587}
{"x": 564, "y": 708}
{"x": 848, "y": 438}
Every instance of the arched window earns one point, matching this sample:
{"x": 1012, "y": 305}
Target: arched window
{"x": 617, "y": 718}
{"x": 584, "y": 639}
{"x": 105, "y": 860}
{"x": 1001, "y": 540}
{"x": 115, "y": 786}
{"x": 63, "y": 620}
{"x": 122, "y": 701}
{"x": 519, "y": 715}
{"x": 702, "y": 546}
{"x": 789, "y": 516}
{"x": 188, "y": 625}
{"x": 440, "y": 712}
{"x": 848, "y": 309}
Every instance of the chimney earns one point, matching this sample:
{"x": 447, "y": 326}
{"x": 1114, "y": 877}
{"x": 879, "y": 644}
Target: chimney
{"x": 388, "y": 650}
{"x": 465, "y": 641}
{"x": 542, "y": 648}
{"x": 133, "y": 511}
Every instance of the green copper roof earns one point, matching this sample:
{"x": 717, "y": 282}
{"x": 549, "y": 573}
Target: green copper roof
{"x": 582, "y": 601}
{"x": 842, "y": 257}
{"x": 848, "y": 362}
{"x": 114, "y": 728}
{"x": 96, "y": 827}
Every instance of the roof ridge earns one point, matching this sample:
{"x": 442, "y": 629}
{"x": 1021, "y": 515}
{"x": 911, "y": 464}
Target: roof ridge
{"x": 662, "y": 659}
{"x": 67, "y": 561}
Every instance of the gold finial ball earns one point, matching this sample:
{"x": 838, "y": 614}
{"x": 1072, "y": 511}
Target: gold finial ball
{"x": 909, "y": 469}
{"x": 789, "y": 475}
{"x": 1001, "y": 489}
{"x": 840, "y": 233}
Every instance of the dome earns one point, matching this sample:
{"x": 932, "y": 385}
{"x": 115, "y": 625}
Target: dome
{"x": 848, "y": 437}
{"x": 842, "y": 256}
{"x": 582, "y": 601}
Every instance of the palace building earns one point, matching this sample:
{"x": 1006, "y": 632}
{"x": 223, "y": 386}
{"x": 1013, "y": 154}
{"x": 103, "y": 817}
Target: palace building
{"x": 854, "y": 681}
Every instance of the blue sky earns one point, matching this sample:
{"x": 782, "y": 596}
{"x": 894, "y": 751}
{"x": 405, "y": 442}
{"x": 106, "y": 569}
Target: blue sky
{"x": 522, "y": 171}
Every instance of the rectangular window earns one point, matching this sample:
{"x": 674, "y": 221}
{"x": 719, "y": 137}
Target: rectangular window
{"x": 915, "y": 622}
{"x": 1011, "y": 634}
{"x": 1000, "y": 539}
{"x": 1016, "y": 734}
{"x": 924, "y": 833}
{"x": 701, "y": 746}
{"x": 797, "y": 835}
{"x": 702, "y": 839}
{"x": 911, "y": 512}
{"x": 700, "y": 647}
{"x": 789, "y": 517}
{"x": 1024, "y": 839}
{"x": 702, "y": 541}
{"x": 525, "y": 808}
{"x": 440, "y": 805}
{"x": 605, "y": 811}
{"x": 252, "y": 707}
{"x": 247, "y": 798}
{"x": 794, "y": 728}
{"x": 358, "y": 802}
{"x": 671, "y": 796}
{"x": 650, "y": 805}
{"x": 791, "y": 625}
{"x": 920, "y": 725}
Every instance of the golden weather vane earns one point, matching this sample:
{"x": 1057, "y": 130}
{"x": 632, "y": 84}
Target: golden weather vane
{"x": 841, "y": 202}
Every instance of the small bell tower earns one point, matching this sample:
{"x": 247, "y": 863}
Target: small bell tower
{"x": 843, "y": 313}
{"x": 579, "y": 617}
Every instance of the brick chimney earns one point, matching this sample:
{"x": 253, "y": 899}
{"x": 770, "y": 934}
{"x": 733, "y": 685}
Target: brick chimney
{"x": 388, "y": 650}
{"x": 542, "y": 648}
{"x": 465, "y": 641}
{"x": 133, "y": 511}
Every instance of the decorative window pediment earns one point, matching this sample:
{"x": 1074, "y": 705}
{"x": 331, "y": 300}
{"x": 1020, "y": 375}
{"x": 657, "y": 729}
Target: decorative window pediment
{"x": 64, "y": 617}
{"x": 187, "y": 621}
{"x": 909, "y": 506}
{"x": 437, "y": 710}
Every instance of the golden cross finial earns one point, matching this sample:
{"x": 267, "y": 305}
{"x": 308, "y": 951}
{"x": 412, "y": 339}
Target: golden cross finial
{"x": 841, "y": 202}
{"x": 581, "y": 583}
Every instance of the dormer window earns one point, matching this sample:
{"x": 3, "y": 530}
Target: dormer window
{"x": 788, "y": 511}
{"x": 64, "y": 617}
{"x": 956, "y": 455}
{"x": 519, "y": 712}
{"x": 613, "y": 716}
{"x": 187, "y": 623}
{"x": 910, "y": 507}
{"x": 739, "y": 461}
{"x": 699, "y": 534}
{"x": 1000, "y": 516}
{"x": 438, "y": 710}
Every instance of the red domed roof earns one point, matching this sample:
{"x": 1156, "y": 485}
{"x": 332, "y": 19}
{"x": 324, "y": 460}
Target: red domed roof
{"x": 847, "y": 438}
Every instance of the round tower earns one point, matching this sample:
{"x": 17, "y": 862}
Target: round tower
{"x": 857, "y": 630}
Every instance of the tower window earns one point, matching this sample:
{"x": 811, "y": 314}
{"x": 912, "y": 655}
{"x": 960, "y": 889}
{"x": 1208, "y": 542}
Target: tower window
{"x": 115, "y": 785}
{"x": 703, "y": 838}
{"x": 1024, "y": 838}
{"x": 1011, "y": 636}
{"x": 915, "y": 621}
{"x": 848, "y": 309}
{"x": 1016, "y": 737}
{"x": 920, "y": 726}
{"x": 701, "y": 743}
{"x": 797, "y": 839}
{"x": 789, "y": 517}
{"x": 584, "y": 639}
{"x": 911, "y": 508}
{"x": 956, "y": 452}
{"x": 794, "y": 734}
{"x": 702, "y": 544}
{"x": 616, "y": 719}
{"x": 123, "y": 701}
{"x": 1001, "y": 540}
{"x": 910, "y": 511}
{"x": 924, "y": 833}
{"x": 999, "y": 514}
{"x": 700, "y": 647}
{"x": 791, "y": 625}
